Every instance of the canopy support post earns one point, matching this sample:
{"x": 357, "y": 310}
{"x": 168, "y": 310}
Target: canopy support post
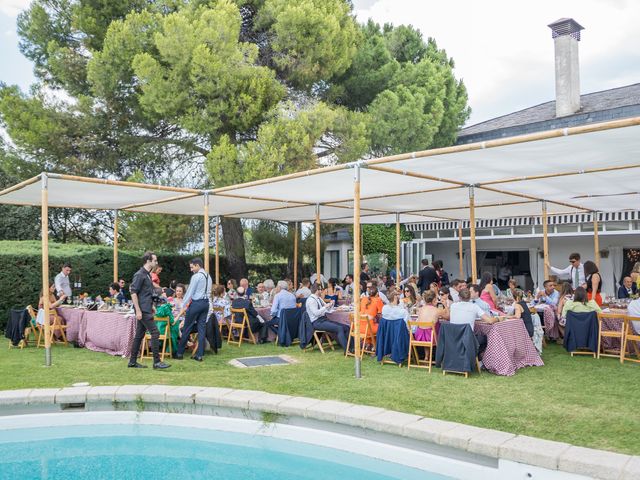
{"x": 461, "y": 277}
{"x": 206, "y": 232}
{"x": 217, "y": 261}
{"x": 596, "y": 240}
{"x": 318, "y": 269}
{"x": 545, "y": 240}
{"x": 397, "y": 279}
{"x": 45, "y": 269}
{"x": 115, "y": 247}
{"x": 295, "y": 255}
{"x": 356, "y": 268}
{"x": 472, "y": 225}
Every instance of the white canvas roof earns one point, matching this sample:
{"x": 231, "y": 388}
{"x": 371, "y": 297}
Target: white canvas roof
{"x": 588, "y": 168}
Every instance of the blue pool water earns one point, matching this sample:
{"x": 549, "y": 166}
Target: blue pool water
{"x": 94, "y": 452}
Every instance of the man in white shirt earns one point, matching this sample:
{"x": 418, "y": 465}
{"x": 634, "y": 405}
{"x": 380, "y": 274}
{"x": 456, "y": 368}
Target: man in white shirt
{"x": 304, "y": 291}
{"x": 317, "y": 311}
{"x": 466, "y": 312}
{"x": 474, "y": 292}
{"x": 62, "y": 281}
{"x": 456, "y": 286}
{"x": 575, "y": 271}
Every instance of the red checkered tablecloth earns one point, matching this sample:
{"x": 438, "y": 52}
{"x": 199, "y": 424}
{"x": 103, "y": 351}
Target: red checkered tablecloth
{"x": 509, "y": 347}
{"x": 107, "y": 332}
{"x": 550, "y": 321}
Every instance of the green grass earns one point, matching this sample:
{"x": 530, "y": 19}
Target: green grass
{"x": 586, "y": 402}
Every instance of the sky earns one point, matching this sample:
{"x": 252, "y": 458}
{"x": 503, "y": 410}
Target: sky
{"x": 502, "y": 49}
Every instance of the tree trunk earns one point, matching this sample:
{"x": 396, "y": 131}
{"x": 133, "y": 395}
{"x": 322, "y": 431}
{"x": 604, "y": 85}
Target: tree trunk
{"x": 233, "y": 237}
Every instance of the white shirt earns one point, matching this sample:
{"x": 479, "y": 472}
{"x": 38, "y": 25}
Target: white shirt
{"x": 62, "y": 284}
{"x": 454, "y": 294}
{"x": 303, "y": 292}
{"x": 316, "y": 308}
{"x": 395, "y": 312}
{"x": 569, "y": 272}
{"x": 634, "y": 311}
{"x": 313, "y": 277}
{"x": 465, "y": 312}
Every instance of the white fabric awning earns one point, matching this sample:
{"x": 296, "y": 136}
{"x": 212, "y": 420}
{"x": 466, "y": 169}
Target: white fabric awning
{"x": 588, "y": 168}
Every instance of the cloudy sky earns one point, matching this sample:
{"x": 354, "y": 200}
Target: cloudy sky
{"x": 502, "y": 48}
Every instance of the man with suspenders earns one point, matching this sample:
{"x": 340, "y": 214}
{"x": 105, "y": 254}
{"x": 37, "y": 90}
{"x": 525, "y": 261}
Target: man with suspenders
{"x": 196, "y": 304}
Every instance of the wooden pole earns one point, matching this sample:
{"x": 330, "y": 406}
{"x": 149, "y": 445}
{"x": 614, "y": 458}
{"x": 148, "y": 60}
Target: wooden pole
{"x": 207, "y": 243}
{"x": 45, "y": 268}
{"x": 217, "y": 251}
{"x": 472, "y": 227}
{"x": 115, "y": 247}
{"x": 356, "y": 268}
{"x": 397, "y": 249}
{"x": 318, "y": 268}
{"x": 460, "y": 250}
{"x": 596, "y": 240}
{"x": 295, "y": 256}
{"x": 545, "y": 240}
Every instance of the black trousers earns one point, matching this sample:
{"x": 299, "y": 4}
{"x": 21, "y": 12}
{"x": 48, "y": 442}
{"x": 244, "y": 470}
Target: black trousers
{"x": 341, "y": 331}
{"x": 147, "y": 323}
{"x": 269, "y": 325}
{"x": 196, "y": 317}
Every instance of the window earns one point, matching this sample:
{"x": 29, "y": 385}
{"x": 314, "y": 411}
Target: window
{"x": 334, "y": 263}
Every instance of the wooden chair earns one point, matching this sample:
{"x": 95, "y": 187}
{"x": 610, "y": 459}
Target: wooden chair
{"x": 630, "y": 336}
{"x": 165, "y": 338}
{"x": 240, "y": 326}
{"x": 321, "y": 339}
{"x": 610, "y": 334}
{"x": 219, "y": 309}
{"x": 56, "y": 326}
{"x": 366, "y": 338}
{"x": 466, "y": 374}
{"x": 34, "y": 328}
{"x": 414, "y": 344}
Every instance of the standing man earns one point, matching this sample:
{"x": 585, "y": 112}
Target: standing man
{"x": 141, "y": 295}
{"x": 196, "y": 303}
{"x": 427, "y": 276}
{"x": 575, "y": 271}
{"x": 62, "y": 281}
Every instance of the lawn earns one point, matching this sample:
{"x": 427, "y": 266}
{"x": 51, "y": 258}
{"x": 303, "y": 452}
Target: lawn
{"x": 587, "y": 402}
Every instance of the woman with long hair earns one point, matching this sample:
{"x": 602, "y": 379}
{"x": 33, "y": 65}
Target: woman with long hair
{"x": 409, "y": 297}
{"x": 580, "y": 303}
{"x": 487, "y": 292}
{"x": 332, "y": 292}
{"x": 594, "y": 281}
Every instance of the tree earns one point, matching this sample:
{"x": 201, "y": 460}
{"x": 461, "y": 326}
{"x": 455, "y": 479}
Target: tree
{"x": 206, "y": 93}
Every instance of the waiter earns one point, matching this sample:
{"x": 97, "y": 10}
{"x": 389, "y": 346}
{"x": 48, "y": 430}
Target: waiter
{"x": 142, "y": 297}
{"x": 196, "y": 303}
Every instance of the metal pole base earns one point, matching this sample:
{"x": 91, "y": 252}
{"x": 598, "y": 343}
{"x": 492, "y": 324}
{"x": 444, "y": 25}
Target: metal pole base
{"x": 47, "y": 357}
{"x": 358, "y": 368}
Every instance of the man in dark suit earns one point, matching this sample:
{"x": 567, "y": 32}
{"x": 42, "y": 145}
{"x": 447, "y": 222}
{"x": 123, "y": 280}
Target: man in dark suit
{"x": 241, "y": 301}
{"x": 627, "y": 288}
{"x": 427, "y": 276}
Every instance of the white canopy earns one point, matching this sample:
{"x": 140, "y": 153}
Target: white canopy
{"x": 588, "y": 168}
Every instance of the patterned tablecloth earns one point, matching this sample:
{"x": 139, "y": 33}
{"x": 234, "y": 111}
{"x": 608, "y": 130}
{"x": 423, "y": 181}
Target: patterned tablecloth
{"x": 509, "y": 347}
{"x": 550, "y": 321}
{"x": 107, "y": 332}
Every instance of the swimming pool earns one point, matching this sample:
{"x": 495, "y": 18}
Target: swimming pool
{"x": 129, "y": 445}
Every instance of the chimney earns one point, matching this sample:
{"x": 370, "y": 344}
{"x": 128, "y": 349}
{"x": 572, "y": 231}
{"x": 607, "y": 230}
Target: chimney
{"x": 566, "y": 35}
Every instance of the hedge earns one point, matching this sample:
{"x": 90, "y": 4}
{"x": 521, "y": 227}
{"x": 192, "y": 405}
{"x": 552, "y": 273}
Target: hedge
{"x": 21, "y": 266}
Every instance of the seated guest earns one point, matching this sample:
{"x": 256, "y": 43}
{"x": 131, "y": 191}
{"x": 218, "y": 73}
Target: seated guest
{"x": 244, "y": 283}
{"x": 466, "y": 312}
{"x": 627, "y": 288}
{"x": 125, "y": 291}
{"x": 549, "y": 295}
{"x": 474, "y": 291}
{"x": 304, "y": 291}
{"x": 455, "y": 288}
{"x": 521, "y": 310}
{"x": 633, "y": 310}
{"x": 409, "y": 298}
{"x": 487, "y": 292}
{"x": 512, "y": 287}
{"x": 241, "y": 301}
{"x": 331, "y": 292}
{"x": 393, "y": 310}
{"x": 444, "y": 299}
{"x": 231, "y": 289}
{"x": 429, "y": 312}
{"x": 116, "y": 294}
{"x": 53, "y": 303}
{"x": 566, "y": 293}
{"x": 281, "y": 300}
{"x": 218, "y": 299}
{"x": 269, "y": 288}
{"x": 580, "y": 303}
{"x": 371, "y": 306}
{"x": 317, "y": 311}
{"x": 155, "y": 277}
{"x": 178, "y": 302}
{"x": 382, "y": 283}
{"x": 347, "y": 285}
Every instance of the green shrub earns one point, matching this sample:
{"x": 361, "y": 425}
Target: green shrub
{"x": 21, "y": 267}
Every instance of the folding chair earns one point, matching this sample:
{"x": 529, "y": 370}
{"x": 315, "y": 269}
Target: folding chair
{"x": 581, "y": 335}
{"x": 35, "y": 327}
{"x": 235, "y": 312}
{"x": 630, "y": 336}
{"x": 165, "y": 338}
{"x": 56, "y": 326}
{"x": 619, "y": 334}
{"x": 414, "y": 344}
{"x": 222, "y": 323}
{"x": 322, "y": 340}
{"x": 448, "y": 352}
{"x": 366, "y": 338}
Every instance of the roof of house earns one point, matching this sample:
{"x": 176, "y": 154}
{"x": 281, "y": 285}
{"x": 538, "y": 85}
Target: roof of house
{"x": 612, "y": 104}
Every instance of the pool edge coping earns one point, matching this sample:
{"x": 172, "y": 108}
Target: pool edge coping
{"x": 495, "y": 444}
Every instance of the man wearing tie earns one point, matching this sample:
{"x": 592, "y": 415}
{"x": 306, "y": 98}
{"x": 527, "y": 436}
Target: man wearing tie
{"x": 575, "y": 271}
{"x": 196, "y": 303}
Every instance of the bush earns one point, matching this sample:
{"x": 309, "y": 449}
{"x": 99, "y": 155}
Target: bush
{"x": 21, "y": 267}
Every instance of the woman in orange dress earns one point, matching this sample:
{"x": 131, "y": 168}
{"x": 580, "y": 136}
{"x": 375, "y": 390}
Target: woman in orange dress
{"x": 370, "y": 306}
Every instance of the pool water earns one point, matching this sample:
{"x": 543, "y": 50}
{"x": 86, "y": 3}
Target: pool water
{"x": 132, "y": 451}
